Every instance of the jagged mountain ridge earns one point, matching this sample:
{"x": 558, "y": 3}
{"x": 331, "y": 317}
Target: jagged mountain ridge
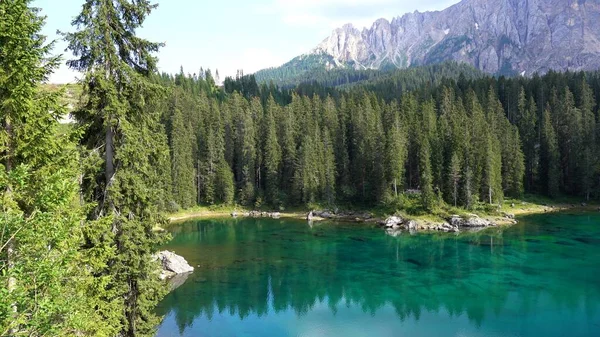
{"x": 496, "y": 36}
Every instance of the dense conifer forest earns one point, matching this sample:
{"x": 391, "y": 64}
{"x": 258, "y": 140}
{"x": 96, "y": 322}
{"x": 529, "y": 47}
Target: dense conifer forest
{"x": 461, "y": 142}
{"x": 79, "y": 204}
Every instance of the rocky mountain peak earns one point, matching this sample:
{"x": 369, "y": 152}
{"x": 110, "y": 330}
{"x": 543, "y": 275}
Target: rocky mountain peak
{"x": 496, "y": 36}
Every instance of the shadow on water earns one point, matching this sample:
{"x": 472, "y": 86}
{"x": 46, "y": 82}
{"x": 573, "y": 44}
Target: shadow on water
{"x": 539, "y": 277}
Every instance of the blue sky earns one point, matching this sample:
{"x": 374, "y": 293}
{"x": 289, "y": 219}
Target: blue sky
{"x": 237, "y": 34}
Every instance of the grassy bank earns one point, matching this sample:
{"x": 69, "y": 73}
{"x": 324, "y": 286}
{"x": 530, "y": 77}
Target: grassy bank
{"x": 219, "y": 211}
{"x": 530, "y": 204}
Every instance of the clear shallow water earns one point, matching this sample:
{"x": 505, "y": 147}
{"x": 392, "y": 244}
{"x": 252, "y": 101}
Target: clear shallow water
{"x": 283, "y": 278}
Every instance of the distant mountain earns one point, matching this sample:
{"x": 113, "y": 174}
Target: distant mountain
{"x": 508, "y": 37}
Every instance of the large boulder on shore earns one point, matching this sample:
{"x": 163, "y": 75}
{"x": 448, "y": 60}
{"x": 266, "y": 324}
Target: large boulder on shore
{"x": 448, "y": 228}
{"x": 323, "y": 214}
{"x": 393, "y": 222}
{"x": 412, "y": 225}
{"x": 172, "y": 264}
{"x": 471, "y": 221}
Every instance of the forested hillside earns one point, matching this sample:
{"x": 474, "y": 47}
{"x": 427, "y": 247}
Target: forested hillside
{"x": 459, "y": 143}
{"x": 408, "y": 79}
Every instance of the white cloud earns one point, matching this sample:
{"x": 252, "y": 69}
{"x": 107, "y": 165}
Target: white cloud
{"x": 334, "y": 13}
{"x": 321, "y": 3}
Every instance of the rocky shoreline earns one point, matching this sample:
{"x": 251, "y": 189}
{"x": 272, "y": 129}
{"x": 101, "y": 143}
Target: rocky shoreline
{"x": 396, "y": 224}
{"x": 455, "y": 224}
{"x": 257, "y": 214}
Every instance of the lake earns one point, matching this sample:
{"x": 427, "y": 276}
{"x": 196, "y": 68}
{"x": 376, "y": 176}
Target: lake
{"x": 264, "y": 277}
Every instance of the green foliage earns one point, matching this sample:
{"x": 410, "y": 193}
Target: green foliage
{"x": 272, "y": 153}
{"x": 396, "y": 150}
{"x": 549, "y": 154}
{"x": 391, "y": 80}
{"x": 42, "y": 290}
{"x": 426, "y": 178}
{"x": 121, "y": 128}
{"x": 182, "y": 161}
{"x": 224, "y": 187}
{"x": 302, "y": 66}
{"x": 460, "y": 143}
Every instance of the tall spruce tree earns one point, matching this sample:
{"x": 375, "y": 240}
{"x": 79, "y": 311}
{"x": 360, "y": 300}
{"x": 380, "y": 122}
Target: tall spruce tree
{"x": 396, "y": 155}
{"x": 588, "y": 159}
{"x": 42, "y": 290}
{"x": 287, "y": 135}
{"x": 272, "y": 153}
{"x": 246, "y": 148}
{"x": 550, "y": 157}
{"x": 182, "y": 159}
{"x": 569, "y": 133}
{"x": 514, "y": 163}
{"x": 328, "y": 168}
{"x": 454, "y": 175}
{"x": 122, "y": 134}
{"x": 492, "y": 176}
{"x": 425, "y": 174}
{"x": 528, "y": 131}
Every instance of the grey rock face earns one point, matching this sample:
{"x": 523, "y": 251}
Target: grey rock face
{"x": 448, "y": 228}
{"x": 457, "y": 221}
{"x": 393, "y": 222}
{"x": 323, "y": 214}
{"x": 412, "y": 225}
{"x": 496, "y": 36}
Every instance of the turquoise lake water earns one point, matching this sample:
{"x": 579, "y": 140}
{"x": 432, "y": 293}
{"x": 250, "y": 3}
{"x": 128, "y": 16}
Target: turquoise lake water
{"x": 270, "y": 278}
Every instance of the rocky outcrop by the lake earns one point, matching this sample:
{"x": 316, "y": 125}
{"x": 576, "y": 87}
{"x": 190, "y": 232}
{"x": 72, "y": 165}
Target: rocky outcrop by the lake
{"x": 339, "y": 215}
{"x": 172, "y": 264}
{"x": 395, "y": 223}
{"x": 257, "y": 214}
{"x": 471, "y": 220}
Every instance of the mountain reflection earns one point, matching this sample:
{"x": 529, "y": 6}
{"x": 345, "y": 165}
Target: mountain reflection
{"x": 264, "y": 267}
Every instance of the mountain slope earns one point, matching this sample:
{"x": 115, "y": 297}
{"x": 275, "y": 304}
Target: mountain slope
{"x": 496, "y": 36}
